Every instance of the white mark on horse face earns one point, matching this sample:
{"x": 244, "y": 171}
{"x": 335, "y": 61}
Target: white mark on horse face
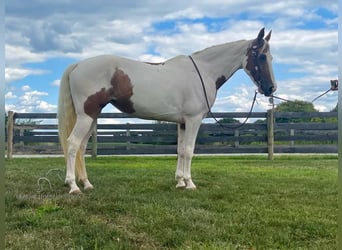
{"x": 119, "y": 95}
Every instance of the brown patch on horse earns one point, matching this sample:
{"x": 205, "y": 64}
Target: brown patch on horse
{"x": 119, "y": 95}
{"x": 220, "y": 81}
{"x": 123, "y": 90}
{"x": 95, "y": 103}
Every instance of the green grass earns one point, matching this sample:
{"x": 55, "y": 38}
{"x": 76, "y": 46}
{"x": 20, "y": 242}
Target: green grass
{"x": 242, "y": 202}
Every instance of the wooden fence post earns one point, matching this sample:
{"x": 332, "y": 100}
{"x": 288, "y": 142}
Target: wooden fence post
{"x": 21, "y": 134}
{"x": 128, "y": 135}
{"x": 270, "y": 133}
{"x": 292, "y": 133}
{"x": 236, "y": 135}
{"x": 10, "y": 125}
{"x": 94, "y": 142}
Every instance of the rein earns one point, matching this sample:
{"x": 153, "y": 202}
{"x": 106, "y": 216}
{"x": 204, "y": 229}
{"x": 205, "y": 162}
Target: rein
{"x": 208, "y": 105}
{"x": 334, "y": 87}
{"x": 326, "y": 92}
{"x": 280, "y": 98}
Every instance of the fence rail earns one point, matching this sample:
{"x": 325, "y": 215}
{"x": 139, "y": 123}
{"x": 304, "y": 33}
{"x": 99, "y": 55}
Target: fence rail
{"x": 37, "y": 133}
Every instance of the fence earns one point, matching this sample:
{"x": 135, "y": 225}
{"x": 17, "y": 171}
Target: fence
{"x": 318, "y": 135}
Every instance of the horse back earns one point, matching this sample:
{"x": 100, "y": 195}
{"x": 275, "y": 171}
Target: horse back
{"x": 147, "y": 90}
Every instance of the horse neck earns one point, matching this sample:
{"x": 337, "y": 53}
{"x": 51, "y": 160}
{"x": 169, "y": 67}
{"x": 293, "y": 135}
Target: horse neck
{"x": 222, "y": 60}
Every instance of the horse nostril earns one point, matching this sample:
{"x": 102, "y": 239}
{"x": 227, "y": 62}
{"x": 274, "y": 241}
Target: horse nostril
{"x": 269, "y": 91}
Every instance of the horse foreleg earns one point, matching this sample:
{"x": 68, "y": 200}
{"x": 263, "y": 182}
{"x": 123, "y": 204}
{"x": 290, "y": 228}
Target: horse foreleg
{"x": 191, "y": 130}
{"x": 180, "y": 157}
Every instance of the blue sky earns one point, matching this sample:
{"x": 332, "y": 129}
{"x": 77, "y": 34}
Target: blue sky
{"x": 43, "y": 37}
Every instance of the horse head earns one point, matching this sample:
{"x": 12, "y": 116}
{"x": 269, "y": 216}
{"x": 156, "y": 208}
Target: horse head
{"x": 258, "y": 64}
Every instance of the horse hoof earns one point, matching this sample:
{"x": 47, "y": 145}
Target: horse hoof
{"x": 88, "y": 187}
{"x": 190, "y": 185}
{"x": 75, "y": 191}
{"x": 181, "y": 184}
{"x": 178, "y": 186}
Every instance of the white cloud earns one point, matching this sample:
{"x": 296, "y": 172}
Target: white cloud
{"x": 10, "y": 95}
{"x": 11, "y": 107}
{"x": 56, "y": 83}
{"x": 13, "y": 74}
{"x": 31, "y": 102}
{"x": 25, "y": 88}
{"x": 31, "y": 99}
{"x": 191, "y": 13}
{"x": 241, "y": 100}
{"x": 34, "y": 93}
{"x": 43, "y": 106}
{"x": 17, "y": 55}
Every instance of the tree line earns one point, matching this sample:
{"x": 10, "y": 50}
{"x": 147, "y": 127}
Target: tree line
{"x": 293, "y": 106}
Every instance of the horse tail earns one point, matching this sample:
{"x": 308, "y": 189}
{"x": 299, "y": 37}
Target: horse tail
{"x": 66, "y": 110}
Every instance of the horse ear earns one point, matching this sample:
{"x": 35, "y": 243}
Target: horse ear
{"x": 268, "y": 37}
{"x": 261, "y": 34}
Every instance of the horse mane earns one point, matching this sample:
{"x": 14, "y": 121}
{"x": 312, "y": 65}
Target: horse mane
{"x": 217, "y": 46}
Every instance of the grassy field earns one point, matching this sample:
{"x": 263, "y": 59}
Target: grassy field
{"x": 242, "y": 202}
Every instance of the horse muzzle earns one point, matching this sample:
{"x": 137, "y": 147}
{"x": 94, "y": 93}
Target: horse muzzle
{"x": 267, "y": 91}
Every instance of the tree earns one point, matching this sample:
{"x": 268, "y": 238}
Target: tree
{"x": 229, "y": 120}
{"x": 295, "y": 106}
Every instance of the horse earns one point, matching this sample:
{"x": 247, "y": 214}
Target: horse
{"x": 180, "y": 90}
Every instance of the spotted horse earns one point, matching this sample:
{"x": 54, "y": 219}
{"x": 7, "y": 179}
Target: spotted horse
{"x": 181, "y": 90}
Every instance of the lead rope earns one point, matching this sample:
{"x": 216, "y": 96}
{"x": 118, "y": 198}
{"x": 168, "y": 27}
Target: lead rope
{"x": 209, "y": 108}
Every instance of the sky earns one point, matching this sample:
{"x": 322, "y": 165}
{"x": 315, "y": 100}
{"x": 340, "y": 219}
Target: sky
{"x": 44, "y": 36}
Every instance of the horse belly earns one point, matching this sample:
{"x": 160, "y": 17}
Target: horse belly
{"x": 166, "y": 95}
{"x": 158, "y": 104}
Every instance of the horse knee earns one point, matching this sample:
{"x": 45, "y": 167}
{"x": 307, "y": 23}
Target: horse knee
{"x": 181, "y": 152}
{"x": 188, "y": 152}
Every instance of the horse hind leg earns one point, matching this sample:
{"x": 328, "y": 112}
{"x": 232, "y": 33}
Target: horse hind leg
{"x": 74, "y": 142}
{"x": 80, "y": 161}
{"x": 81, "y": 169}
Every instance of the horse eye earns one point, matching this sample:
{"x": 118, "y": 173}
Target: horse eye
{"x": 262, "y": 57}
